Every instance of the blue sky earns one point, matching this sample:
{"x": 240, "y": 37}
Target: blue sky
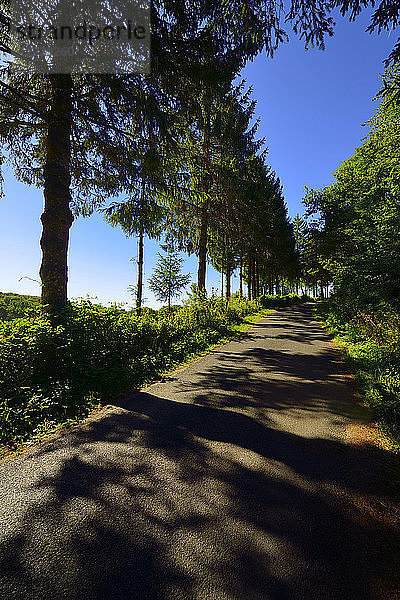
{"x": 311, "y": 104}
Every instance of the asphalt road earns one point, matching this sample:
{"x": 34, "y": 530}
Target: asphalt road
{"x": 230, "y": 481}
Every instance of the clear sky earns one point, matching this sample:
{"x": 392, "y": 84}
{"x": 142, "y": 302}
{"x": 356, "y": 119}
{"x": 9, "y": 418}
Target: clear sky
{"x": 311, "y": 104}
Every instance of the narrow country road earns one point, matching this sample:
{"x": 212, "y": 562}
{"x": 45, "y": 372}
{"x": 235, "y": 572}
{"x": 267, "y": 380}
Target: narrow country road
{"x": 232, "y": 480}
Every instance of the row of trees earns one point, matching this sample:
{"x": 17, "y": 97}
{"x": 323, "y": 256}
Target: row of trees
{"x": 312, "y": 277}
{"x": 228, "y": 206}
{"x": 356, "y": 220}
{"x": 177, "y": 144}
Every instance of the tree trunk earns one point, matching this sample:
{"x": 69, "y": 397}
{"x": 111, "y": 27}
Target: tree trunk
{"x": 203, "y": 237}
{"x": 222, "y": 284}
{"x": 249, "y": 280}
{"x": 241, "y": 278}
{"x": 228, "y": 283}
{"x": 57, "y": 216}
{"x": 257, "y": 278}
{"x": 139, "y": 291}
{"x": 253, "y": 278}
{"x": 201, "y": 273}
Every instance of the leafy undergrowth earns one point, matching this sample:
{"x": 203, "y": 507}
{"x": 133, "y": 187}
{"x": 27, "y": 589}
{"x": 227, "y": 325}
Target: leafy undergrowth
{"x": 371, "y": 345}
{"x": 16, "y": 306}
{"x": 56, "y": 374}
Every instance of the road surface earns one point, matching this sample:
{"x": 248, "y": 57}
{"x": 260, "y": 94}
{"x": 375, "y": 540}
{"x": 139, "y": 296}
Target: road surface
{"x": 232, "y": 480}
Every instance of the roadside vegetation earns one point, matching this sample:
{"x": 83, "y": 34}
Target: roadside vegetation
{"x": 371, "y": 346}
{"x": 351, "y": 238}
{"x": 54, "y": 372}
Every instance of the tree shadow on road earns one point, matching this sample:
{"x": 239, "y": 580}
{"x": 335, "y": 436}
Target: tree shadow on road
{"x": 296, "y": 323}
{"x": 261, "y": 382}
{"x": 162, "y": 500}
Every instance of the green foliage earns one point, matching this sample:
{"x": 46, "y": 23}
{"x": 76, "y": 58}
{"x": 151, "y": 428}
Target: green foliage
{"x": 372, "y": 345}
{"x": 14, "y": 306}
{"x": 281, "y": 301}
{"x": 49, "y": 374}
{"x": 356, "y": 234}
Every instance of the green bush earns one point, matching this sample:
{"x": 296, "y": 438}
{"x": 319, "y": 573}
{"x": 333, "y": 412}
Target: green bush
{"x": 281, "y": 301}
{"x": 15, "y": 306}
{"x": 372, "y": 343}
{"x": 49, "y": 374}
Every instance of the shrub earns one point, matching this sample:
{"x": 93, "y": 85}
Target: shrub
{"x": 372, "y": 343}
{"x": 15, "y": 306}
{"x": 49, "y": 373}
{"x": 281, "y": 301}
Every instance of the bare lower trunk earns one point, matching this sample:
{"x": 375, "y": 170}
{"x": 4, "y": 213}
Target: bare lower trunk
{"x": 253, "y": 278}
{"x": 201, "y": 273}
{"x": 139, "y": 291}
{"x": 57, "y": 217}
{"x": 241, "y": 279}
{"x": 228, "y": 283}
{"x": 249, "y": 279}
{"x": 203, "y": 234}
{"x": 257, "y": 278}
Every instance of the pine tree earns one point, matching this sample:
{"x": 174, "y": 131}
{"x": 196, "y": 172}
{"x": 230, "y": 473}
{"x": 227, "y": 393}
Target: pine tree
{"x": 167, "y": 281}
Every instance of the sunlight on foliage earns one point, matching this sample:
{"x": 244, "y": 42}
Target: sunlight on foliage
{"x": 50, "y": 374}
{"x": 372, "y": 346}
